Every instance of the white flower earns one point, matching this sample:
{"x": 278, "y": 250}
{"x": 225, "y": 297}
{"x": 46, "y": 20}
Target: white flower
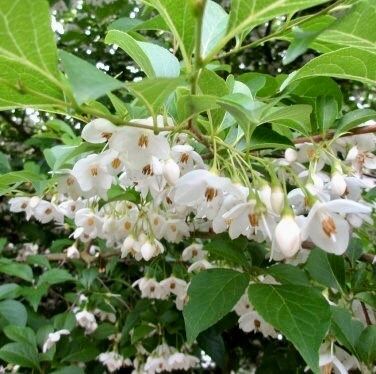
{"x": 87, "y": 222}
{"x": 187, "y": 158}
{"x": 338, "y": 183}
{"x": 287, "y": 236}
{"x": 151, "y": 249}
{"x": 156, "y": 365}
{"x": 277, "y": 199}
{"x": 99, "y": 130}
{"x": 45, "y": 212}
{"x": 171, "y": 171}
{"x": 87, "y": 320}
{"x": 151, "y": 289}
{"x": 175, "y": 230}
{"x": 291, "y": 155}
{"x": 113, "y": 361}
{"x": 243, "y": 306}
{"x": 24, "y": 204}
{"x": 53, "y": 338}
{"x": 326, "y": 228}
{"x": 92, "y": 175}
{"x": 72, "y": 252}
{"x": 252, "y": 321}
{"x": 181, "y": 361}
{"x": 68, "y": 185}
{"x": 340, "y": 361}
{"x": 199, "y": 266}
{"x": 193, "y": 252}
{"x": 70, "y": 207}
{"x": 175, "y": 286}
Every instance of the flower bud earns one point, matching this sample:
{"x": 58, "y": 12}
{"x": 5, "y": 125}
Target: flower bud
{"x": 291, "y": 155}
{"x": 287, "y": 236}
{"x": 171, "y": 171}
{"x": 338, "y": 183}
{"x": 72, "y": 252}
{"x": 127, "y": 245}
{"x": 277, "y": 199}
{"x": 147, "y": 251}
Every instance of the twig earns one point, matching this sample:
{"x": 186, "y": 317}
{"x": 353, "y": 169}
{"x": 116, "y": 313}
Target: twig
{"x": 318, "y": 138}
{"x": 366, "y": 315}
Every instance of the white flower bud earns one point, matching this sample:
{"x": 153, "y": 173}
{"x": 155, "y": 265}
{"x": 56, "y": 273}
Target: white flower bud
{"x": 127, "y": 245}
{"x": 171, "y": 171}
{"x": 72, "y": 252}
{"x": 265, "y": 195}
{"x": 291, "y": 155}
{"x": 147, "y": 251}
{"x": 277, "y": 199}
{"x": 338, "y": 183}
{"x": 287, "y": 236}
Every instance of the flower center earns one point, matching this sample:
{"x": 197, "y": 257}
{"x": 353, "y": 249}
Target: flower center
{"x": 24, "y": 205}
{"x": 127, "y": 225}
{"x": 147, "y": 170}
{"x": 90, "y": 221}
{"x": 143, "y": 141}
{"x": 210, "y": 193}
{"x": 257, "y": 323}
{"x": 194, "y": 253}
{"x": 94, "y": 171}
{"x": 156, "y": 221}
{"x": 48, "y": 211}
{"x": 106, "y": 135}
{"x": 173, "y": 228}
{"x": 70, "y": 181}
{"x": 328, "y": 226}
{"x": 184, "y": 158}
{"x": 172, "y": 285}
{"x": 116, "y": 163}
{"x": 253, "y": 219}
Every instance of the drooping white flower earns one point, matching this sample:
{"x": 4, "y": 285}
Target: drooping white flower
{"x": 193, "y": 252}
{"x": 92, "y": 175}
{"x": 199, "y": 266}
{"x": 53, "y": 338}
{"x": 72, "y": 252}
{"x": 336, "y": 359}
{"x": 88, "y": 222}
{"x": 99, "y": 130}
{"x": 24, "y": 204}
{"x": 113, "y": 361}
{"x": 338, "y": 183}
{"x": 70, "y": 207}
{"x": 87, "y": 320}
{"x": 46, "y": 212}
{"x": 181, "y": 361}
{"x": 68, "y": 185}
{"x": 151, "y": 289}
{"x": 171, "y": 171}
{"x": 291, "y": 155}
{"x": 175, "y": 286}
{"x": 187, "y": 158}
{"x": 277, "y": 199}
{"x": 252, "y": 321}
{"x": 326, "y": 227}
{"x": 243, "y": 306}
{"x": 287, "y": 236}
{"x": 151, "y": 249}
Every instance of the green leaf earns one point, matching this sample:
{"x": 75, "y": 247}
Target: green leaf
{"x": 227, "y": 250}
{"x": 65, "y": 320}
{"x": 154, "y": 92}
{"x": 22, "y": 354}
{"x": 16, "y": 178}
{"x": 119, "y": 106}
{"x": 60, "y": 127}
{"x": 325, "y": 112}
{"x": 345, "y": 63}
{"x": 34, "y": 295}
{"x": 154, "y": 60}
{"x": 141, "y": 332}
{"x": 22, "y": 271}
{"x": 212, "y": 294}
{"x": 28, "y": 59}
{"x": 133, "y": 24}
{"x": 264, "y": 137}
{"x": 4, "y": 163}
{"x": 88, "y": 82}
{"x": 214, "y": 26}
{"x": 366, "y": 345}
{"x": 9, "y": 291}
{"x": 246, "y": 14}
{"x": 39, "y": 260}
{"x": 69, "y": 370}
{"x": 288, "y": 274}
{"x": 190, "y": 105}
{"x": 300, "y": 313}
{"x": 55, "y": 276}
{"x": 211, "y": 342}
{"x": 81, "y": 350}
{"x": 14, "y": 312}
{"x": 325, "y": 268}
{"x": 346, "y": 329}
{"x": 20, "y": 334}
{"x": 355, "y": 29}
{"x": 179, "y": 16}
{"x": 353, "y": 119}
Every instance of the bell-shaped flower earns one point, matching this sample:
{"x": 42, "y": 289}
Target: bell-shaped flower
{"x": 99, "y": 130}
{"x": 193, "y": 252}
{"x": 24, "y": 204}
{"x": 326, "y": 227}
{"x": 53, "y": 338}
{"x": 252, "y": 321}
{"x": 287, "y": 236}
{"x": 175, "y": 286}
{"x": 187, "y": 158}
{"x": 88, "y": 222}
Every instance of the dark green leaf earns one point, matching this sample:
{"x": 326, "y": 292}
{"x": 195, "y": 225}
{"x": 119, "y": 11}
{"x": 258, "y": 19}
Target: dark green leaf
{"x": 366, "y": 345}
{"x": 353, "y": 119}
{"x": 20, "y": 334}
{"x": 13, "y": 312}
{"x": 55, "y": 276}
{"x": 288, "y": 274}
{"x": 22, "y": 354}
{"x": 9, "y": 291}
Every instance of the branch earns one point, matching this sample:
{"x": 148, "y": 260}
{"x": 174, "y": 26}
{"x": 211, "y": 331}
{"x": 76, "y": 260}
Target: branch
{"x": 318, "y": 138}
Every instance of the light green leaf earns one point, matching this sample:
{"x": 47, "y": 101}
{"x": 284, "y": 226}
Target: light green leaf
{"x": 4, "y": 163}
{"x": 345, "y": 63}
{"x": 9, "y": 290}
{"x": 212, "y": 294}
{"x": 17, "y": 270}
{"x": 39, "y": 260}
{"x": 325, "y": 112}
{"x": 88, "y": 82}
{"x": 179, "y": 16}
{"x": 133, "y": 24}
{"x": 28, "y": 59}
{"x": 246, "y": 14}
{"x": 346, "y": 329}
{"x": 366, "y": 345}
{"x": 69, "y": 370}
{"x": 300, "y": 313}
{"x": 22, "y": 354}
{"x": 20, "y": 334}
{"x": 214, "y": 26}
{"x": 55, "y": 276}
{"x": 355, "y": 29}
{"x": 353, "y": 119}
{"x": 119, "y": 106}
{"x": 154, "y": 92}
{"x": 14, "y": 312}
{"x": 154, "y": 60}
{"x": 190, "y": 105}
{"x": 288, "y": 274}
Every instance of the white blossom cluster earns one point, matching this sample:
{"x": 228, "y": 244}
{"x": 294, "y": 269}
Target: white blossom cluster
{"x": 180, "y": 195}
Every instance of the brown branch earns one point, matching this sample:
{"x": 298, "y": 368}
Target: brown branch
{"x": 366, "y": 315}
{"x": 318, "y": 138}
{"x": 86, "y": 257}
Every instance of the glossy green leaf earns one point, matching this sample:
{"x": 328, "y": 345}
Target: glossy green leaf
{"x": 300, "y": 313}
{"x": 264, "y": 137}
{"x": 190, "y": 105}
{"x": 127, "y": 24}
{"x": 88, "y": 82}
{"x": 55, "y": 276}
{"x": 366, "y": 344}
{"x": 212, "y": 294}
{"x": 325, "y": 112}
{"x": 13, "y": 312}
{"x": 346, "y": 63}
{"x": 22, "y": 354}
{"x": 288, "y": 274}
{"x": 353, "y": 119}
{"x": 28, "y": 58}
{"x": 20, "y": 334}
{"x": 9, "y": 290}
{"x": 154, "y": 60}
{"x": 14, "y": 269}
